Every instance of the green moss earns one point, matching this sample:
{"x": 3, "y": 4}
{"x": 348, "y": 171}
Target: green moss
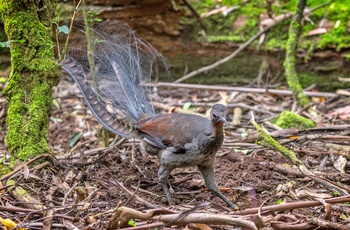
{"x": 11, "y": 182}
{"x": 290, "y": 60}
{"x": 288, "y": 119}
{"x": 348, "y": 56}
{"x": 266, "y": 140}
{"x": 4, "y": 170}
{"x": 223, "y": 38}
{"x": 34, "y": 72}
{"x": 221, "y": 26}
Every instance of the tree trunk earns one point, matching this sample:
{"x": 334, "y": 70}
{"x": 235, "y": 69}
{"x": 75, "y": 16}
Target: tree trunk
{"x": 291, "y": 47}
{"x": 34, "y": 72}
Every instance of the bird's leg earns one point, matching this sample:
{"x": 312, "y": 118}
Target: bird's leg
{"x": 163, "y": 174}
{"x": 208, "y": 175}
{"x": 146, "y": 148}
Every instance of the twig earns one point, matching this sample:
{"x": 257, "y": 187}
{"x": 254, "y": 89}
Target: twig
{"x": 42, "y": 225}
{"x": 145, "y": 191}
{"x": 15, "y": 209}
{"x": 197, "y": 16}
{"x": 68, "y": 193}
{"x": 20, "y": 168}
{"x": 47, "y": 222}
{"x": 62, "y": 56}
{"x": 139, "y": 199}
{"x": 325, "y": 223}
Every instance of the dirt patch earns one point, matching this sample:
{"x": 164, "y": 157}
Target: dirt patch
{"x": 85, "y": 182}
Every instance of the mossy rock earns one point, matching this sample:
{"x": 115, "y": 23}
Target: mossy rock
{"x": 288, "y": 119}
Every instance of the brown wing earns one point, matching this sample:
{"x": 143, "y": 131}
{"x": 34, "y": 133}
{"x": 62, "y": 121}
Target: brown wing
{"x": 173, "y": 130}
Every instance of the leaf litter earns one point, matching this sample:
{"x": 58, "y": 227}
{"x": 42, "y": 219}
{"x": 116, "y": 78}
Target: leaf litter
{"x": 87, "y": 185}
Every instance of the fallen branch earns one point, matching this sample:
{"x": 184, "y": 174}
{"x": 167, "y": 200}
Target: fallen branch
{"x": 243, "y": 89}
{"x": 291, "y": 206}
{"x": 124, "y": 214}
{"x": 266, "y": 140}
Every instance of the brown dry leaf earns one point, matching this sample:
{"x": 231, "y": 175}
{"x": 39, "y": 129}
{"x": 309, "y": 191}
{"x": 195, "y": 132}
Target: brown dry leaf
{"x": 303, "y": 193}
{"x": 197, "y": 226}
{"x": 25, "y": 171}
{"x": 91, "y": 219}
{"x": 317, "y": 31}
{"x": 80, "y": 193}
{"x": 340, "y": 164}
{"x": 70, "y": 177}
{"x": 3, "y": 190}
{"x": 69, "y": 225}
{"x": 293, "y": 137}
{"x": 58, "y": 182}
{"x": 83, "y": 206}
{"x": 342, "y": 113}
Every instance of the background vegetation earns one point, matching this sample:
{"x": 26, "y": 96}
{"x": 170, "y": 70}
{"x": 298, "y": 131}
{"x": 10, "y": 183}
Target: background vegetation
{"x": 242, "y": 23}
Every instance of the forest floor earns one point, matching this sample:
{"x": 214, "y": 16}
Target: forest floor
{"x": 85, "y": 185}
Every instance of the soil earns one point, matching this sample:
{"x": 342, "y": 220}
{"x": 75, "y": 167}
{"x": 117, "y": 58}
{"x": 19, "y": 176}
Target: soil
{"x": 86, "y": 181}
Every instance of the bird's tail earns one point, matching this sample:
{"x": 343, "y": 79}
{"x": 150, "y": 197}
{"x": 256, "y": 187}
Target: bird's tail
{"x": 113, "y": 71}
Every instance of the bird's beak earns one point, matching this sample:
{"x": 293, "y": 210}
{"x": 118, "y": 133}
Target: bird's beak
{"x": 223, "y": 119}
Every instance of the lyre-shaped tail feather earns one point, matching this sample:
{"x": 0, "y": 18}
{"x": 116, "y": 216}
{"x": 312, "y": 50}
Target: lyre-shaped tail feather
{"x": 99, "y": 107}
{"x": 112, "y": 71}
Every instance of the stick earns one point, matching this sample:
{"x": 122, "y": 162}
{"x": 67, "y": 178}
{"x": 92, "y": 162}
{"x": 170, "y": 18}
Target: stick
{"x": 242, "y": 89}
{"x": 291, "y": 206}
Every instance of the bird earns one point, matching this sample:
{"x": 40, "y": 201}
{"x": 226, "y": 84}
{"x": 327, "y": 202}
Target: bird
{"x": 112, "y": 70}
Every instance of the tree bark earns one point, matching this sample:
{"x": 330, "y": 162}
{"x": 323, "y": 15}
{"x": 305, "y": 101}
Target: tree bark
{"x": 291, "y": 47}
{"x": 34, "y": 71}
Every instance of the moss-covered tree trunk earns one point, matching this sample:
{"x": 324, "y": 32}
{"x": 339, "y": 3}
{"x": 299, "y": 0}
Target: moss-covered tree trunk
{"x": 28, "y": 25}
{"x": 291, "y": 47}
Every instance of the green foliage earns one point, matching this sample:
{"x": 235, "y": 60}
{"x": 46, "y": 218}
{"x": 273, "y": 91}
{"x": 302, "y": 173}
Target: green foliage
{"x": 132, "y": 223}
{"x": 63, "y": 29}
{"x": 8, "y": 43}
{"x": 72, "y": 141}
{"x": 187, "y": 106}
{"x": 222, "y": 26}
{"x": 279, "y": 201}
{"x": 5, "y": 44}
{"x": 4, "y": 169}
{"x": 338, "y": 16}
{"x": 335, "y": 15}
{"x": 91, "y": 15}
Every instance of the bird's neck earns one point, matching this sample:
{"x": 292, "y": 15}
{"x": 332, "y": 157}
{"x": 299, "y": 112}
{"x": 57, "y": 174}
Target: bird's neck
{"x": 218, "y": 128}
